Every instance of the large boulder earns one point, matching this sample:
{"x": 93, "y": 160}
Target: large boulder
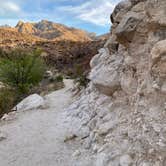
{"x": 105, "y": 73}
{"x": 31, "y": 102}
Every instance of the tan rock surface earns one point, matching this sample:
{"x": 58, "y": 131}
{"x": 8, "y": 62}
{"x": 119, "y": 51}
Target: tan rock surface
{"x": 132, "y": 117}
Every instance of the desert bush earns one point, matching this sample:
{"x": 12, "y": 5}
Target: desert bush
{"x": 80, "y": 76}
{"x": 57, "y": 78}
{"x": 7, "y": 100}
{"x": 82, "y": 80}
{"x": 22, "y": 70}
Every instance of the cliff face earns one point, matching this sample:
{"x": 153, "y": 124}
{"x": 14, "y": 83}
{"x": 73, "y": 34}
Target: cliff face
{"x": 121, "y": 115}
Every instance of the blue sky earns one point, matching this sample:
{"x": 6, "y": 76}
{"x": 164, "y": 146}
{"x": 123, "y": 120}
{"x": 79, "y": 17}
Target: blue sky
{"x": 91, "y": 15}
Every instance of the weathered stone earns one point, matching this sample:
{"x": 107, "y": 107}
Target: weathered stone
{"x": 158, "y": 51}
{"x": 126, "y": 29}
{"x": 106, "y": 127}
{"x": 5, "y": 117}
{"x": 156, "y": 10}
{"x": 87, "y": 143}
{"x": 121, "y": 9}
{"x": 128, "y": 87}
{"x": 31, "y": 102}
{"x": 83, "y": 132}
{"x": 3, "y": 136}
{"x": 125, "y": 160}
{"x": 76, "y": 153}
{"x": 128, "y": 82}
{"x": 96, "y": 59}
{"x": 105, "y": 76}
{"x": 101, "y": 159}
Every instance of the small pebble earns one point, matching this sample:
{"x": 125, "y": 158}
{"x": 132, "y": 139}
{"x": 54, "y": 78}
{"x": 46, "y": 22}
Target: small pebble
{"x": 76, "y": 153}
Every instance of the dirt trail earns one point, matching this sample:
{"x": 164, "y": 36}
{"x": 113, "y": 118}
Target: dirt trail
{"x": 36, "y": 137}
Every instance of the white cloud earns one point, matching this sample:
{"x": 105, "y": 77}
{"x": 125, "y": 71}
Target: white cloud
{"x": 8, "y": 8}
{"x": 95, "y": 11}
{"x": 12, "y": 6}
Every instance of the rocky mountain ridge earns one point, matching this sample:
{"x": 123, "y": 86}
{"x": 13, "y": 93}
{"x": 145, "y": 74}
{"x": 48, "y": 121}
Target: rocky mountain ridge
{"x": 52, "y": 31}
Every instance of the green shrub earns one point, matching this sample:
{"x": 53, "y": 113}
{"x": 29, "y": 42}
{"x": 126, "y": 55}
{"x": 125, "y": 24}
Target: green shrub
{"x": 57, "y": 78}
{"x": 80, "y": 76}
{"x": 82, "y": 81}
{"x": 22, "y": 70}
{"x": 7, "y": 100}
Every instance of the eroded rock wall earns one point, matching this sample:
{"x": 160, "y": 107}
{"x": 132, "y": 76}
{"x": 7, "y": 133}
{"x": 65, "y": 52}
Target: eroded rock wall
{"x": 121, "y": 116}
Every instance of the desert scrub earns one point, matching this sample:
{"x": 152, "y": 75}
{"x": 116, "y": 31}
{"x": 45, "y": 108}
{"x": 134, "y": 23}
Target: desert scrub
{"x": 49, "y": 84}
{"x": 56, "y": 78}
{"x": 59, "y": 78}
{"x": 80, "y": 77}
{"x": 82, "y": 81}
{"x": 7, "y": 100}
{"x": 21, "y": 70}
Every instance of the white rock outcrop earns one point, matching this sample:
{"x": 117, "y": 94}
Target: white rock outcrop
{"x": 33, "y": 101}
{"x": 124, "y": 105}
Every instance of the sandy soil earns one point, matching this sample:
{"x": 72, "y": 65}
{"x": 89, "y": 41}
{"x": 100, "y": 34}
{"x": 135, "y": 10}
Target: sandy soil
{"x": 36, "y": 137}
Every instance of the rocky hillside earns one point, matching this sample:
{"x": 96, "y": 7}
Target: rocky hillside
{"x": 10, "y": 38}
{"x": 66, "y": 56}
{"x": 52, "y": 31}
{"x": 72, "y": 47}
{"x": 121, "y": 115}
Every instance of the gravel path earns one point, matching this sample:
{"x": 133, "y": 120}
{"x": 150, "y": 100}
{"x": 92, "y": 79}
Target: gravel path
{"x": 36, "y": 137}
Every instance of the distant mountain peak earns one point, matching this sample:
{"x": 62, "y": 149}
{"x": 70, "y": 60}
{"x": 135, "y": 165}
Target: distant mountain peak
{"x": 52, "y": 31}
{"x": 20, "y": 22}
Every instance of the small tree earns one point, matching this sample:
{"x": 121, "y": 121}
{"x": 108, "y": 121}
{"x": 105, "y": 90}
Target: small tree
{"x": 21, "y": 69}
{"x": 7, "y": 100}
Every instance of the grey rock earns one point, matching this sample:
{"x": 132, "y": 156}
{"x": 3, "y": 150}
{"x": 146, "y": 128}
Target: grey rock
{"x": 106, "y": 127}
{"x": 100, "y": 75}
{"x": 33, "y": 101}
{"x": 127, "y": 88}
{"x": 101, "y": 160}
{"x": 126, "y": 28}
{"x": 76, "y": 153}
{"x": 125, "y": 160}
{"x": 3, "y": 136}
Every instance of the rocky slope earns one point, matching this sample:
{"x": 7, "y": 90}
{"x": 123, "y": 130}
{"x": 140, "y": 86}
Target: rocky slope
{"x": 52, "y": 31}
{"x": 67, "y": 55}
{"x": 63, "y": 53}
{"x": 10, "y": 38}
{"x": 121, "y": 115}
